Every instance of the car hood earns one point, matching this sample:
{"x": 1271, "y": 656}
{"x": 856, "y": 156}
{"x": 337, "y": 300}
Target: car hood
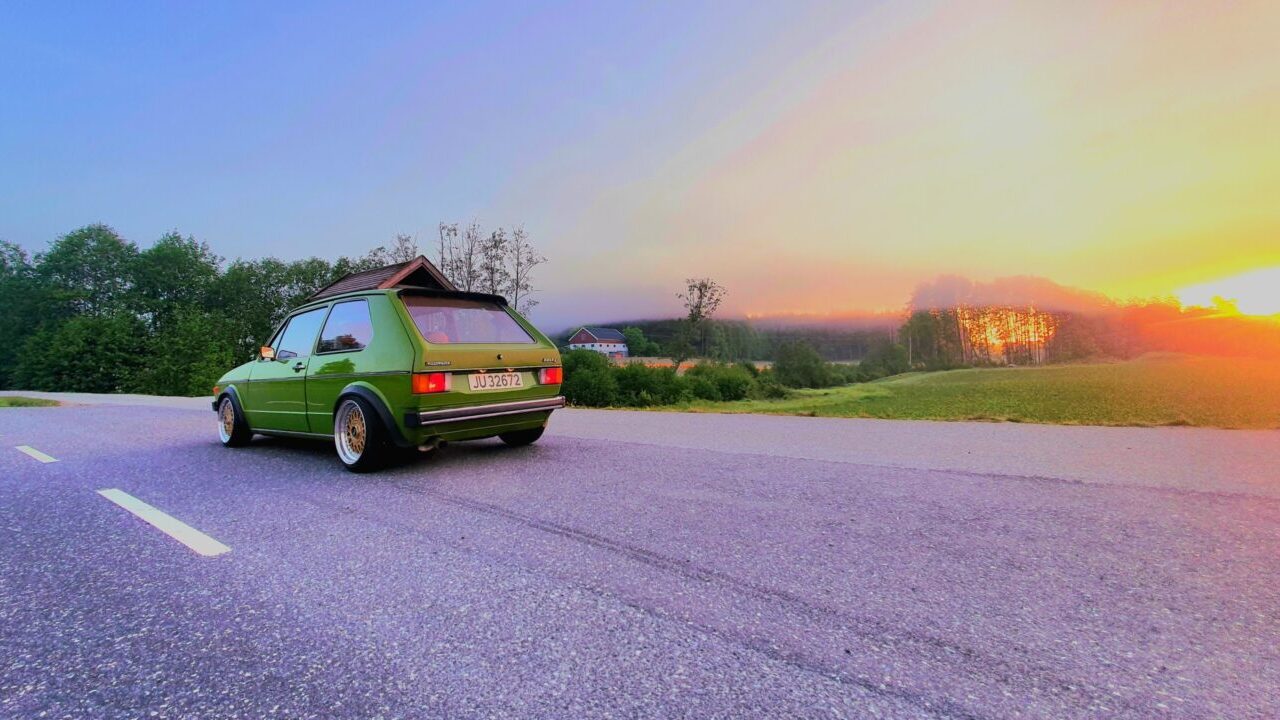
{"x": 234, "y": 374}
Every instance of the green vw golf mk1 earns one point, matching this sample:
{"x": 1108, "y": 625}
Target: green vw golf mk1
{"x": 395, "y": 356}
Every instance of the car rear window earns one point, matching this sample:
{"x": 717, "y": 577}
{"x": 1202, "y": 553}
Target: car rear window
{"x": 458, "y": 320}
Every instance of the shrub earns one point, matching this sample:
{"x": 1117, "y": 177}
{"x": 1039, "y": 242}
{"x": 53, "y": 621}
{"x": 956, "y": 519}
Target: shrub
{"x": 800, "y": 366}
{"x": 575, "y": 360}
{"x": 731, "y": 382}
{"x": 640, "y": 386}
{"x": 591, "y": 386}
{"x": 749, "y": 367}
{"x": 767, "y": 387}
{"x": 884, "y": 360}
{"x": 702, "y": 388}
{"x": 843, "y": 374}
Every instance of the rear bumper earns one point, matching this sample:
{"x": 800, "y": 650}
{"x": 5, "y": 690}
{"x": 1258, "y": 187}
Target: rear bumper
{"x": 479, "y": 412}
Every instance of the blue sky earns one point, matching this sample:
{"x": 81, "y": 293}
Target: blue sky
{"x": 814, "y": 157}
{"x": 326, "y": 129}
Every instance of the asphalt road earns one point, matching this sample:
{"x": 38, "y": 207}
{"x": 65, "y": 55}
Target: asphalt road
{"x": 636, "y": 565}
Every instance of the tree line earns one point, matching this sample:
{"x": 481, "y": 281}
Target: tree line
{"x": 979, "y": 335}
{"x": 96, "y": 313}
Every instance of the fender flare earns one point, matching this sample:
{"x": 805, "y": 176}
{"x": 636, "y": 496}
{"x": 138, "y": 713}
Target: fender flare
{"x": 379, "y": 403}
{"x": 231, "y": 392}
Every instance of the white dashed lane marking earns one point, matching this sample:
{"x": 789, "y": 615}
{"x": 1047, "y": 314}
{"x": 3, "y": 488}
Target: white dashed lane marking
{"x": 167, "y": 524}
{"x": 36, "y": 454}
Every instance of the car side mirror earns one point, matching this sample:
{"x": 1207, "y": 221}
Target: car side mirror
{"x": 267, "y": 353}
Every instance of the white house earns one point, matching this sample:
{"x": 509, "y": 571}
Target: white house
{"x": 606, "y": 341}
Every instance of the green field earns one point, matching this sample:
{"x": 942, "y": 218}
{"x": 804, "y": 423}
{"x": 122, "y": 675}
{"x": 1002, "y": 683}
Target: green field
{"x": 14, "y": 401}
{"x": 1153, "y": 390}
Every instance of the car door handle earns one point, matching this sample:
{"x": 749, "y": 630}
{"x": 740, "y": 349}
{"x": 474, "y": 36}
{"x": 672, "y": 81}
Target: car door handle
{"x": 298, "y": 366}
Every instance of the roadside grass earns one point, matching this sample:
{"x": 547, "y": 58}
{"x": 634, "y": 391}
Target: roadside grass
{"x": 1154, "y": 390}
{"x": 15, "y": 401}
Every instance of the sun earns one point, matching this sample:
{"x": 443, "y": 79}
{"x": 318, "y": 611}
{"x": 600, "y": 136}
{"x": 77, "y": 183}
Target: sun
{"x": 1256, "y": 292}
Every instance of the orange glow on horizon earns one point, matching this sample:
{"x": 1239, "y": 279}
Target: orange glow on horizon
{"x": 1256, "y": 292}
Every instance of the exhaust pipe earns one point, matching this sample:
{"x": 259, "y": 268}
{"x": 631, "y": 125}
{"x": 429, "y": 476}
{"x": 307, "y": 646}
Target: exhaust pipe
{"x": 432, "y": 445}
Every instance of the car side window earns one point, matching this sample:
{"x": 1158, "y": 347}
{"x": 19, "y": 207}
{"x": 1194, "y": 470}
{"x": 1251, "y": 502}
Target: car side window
{"x": 349, "y": 327}
{"x": 299, "y": 335}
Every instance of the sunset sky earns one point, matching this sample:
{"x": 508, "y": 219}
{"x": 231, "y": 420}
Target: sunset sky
{"x": 811, "y": 157}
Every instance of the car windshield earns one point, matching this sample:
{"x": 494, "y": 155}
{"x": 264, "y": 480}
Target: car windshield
{"x": 459, "y": 320}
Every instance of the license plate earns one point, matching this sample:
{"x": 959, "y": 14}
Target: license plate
{"x": 495, "y": 381}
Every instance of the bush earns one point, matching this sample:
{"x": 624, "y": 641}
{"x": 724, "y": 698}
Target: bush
{"x": 884, "y": 360}
{"x": 591, "y": 387}
{"x": 843, "y": 374}
{"x": 800, "y": 366}
{"x": 640, "y": 386}
{"x": 703, "y": 389}
{"x": 749, "y": 367}
{"x": 575, "y": 360}
{"x": 731, "y": 382}
{"x": 767, "y": 387}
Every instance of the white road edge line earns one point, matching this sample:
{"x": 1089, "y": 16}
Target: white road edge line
{"x": 36, "y": 453}
{"x": 167, "y": 524}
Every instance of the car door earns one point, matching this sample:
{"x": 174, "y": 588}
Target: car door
{"x": 340, "y": 358}
{"x": 277, "y": 388}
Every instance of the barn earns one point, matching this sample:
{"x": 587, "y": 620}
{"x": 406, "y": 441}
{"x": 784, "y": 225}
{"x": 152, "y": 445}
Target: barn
{"x": 606, "y": 341}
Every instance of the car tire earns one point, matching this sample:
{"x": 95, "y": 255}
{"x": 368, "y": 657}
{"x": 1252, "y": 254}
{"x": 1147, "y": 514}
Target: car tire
{"x": 519, "y": 438}
{"x": 233, "y": 431}
{"x": 359, "y": 436}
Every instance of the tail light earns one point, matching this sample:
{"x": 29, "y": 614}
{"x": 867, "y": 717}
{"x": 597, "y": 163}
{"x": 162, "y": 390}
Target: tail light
{"x": 424, "y": 383}
{"x": 551, "y": 376}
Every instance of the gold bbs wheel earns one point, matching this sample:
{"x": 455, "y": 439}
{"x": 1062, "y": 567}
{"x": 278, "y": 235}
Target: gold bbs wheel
{"x": 232, "y": 429}
{"x": 226, "y": 420}
{"x": 351, "y": 432}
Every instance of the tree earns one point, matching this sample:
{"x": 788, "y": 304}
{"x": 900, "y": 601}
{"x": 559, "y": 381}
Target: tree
{"x": 523, "y": 259}
{"x": 460, "y": 255}
{"x": 186, "y": 356}
{"x": 250, "y": 296}
{"x": 402, "y": 249}
{"x": 173, "y": 275}
{"x": 638, "y": 344}
{"x": 494, "y": 275}
{"x": 87, "y": 353}
{"x": 93, "y": 312}
{"x": 733, "y": 341}
{"x": 499, "y": 263}
{"x": 679, "y": 348}
{"x": 25, "y": 302}
{"x": 88, "y": 271}
{"x": 702, "y": 297}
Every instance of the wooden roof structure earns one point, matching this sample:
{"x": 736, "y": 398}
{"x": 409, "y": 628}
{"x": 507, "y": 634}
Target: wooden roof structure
{"x": 418, "y": 272}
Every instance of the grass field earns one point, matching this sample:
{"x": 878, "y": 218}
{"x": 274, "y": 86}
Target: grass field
{"x": 14, "y": 401}
{"x": 1153, "y": 390}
